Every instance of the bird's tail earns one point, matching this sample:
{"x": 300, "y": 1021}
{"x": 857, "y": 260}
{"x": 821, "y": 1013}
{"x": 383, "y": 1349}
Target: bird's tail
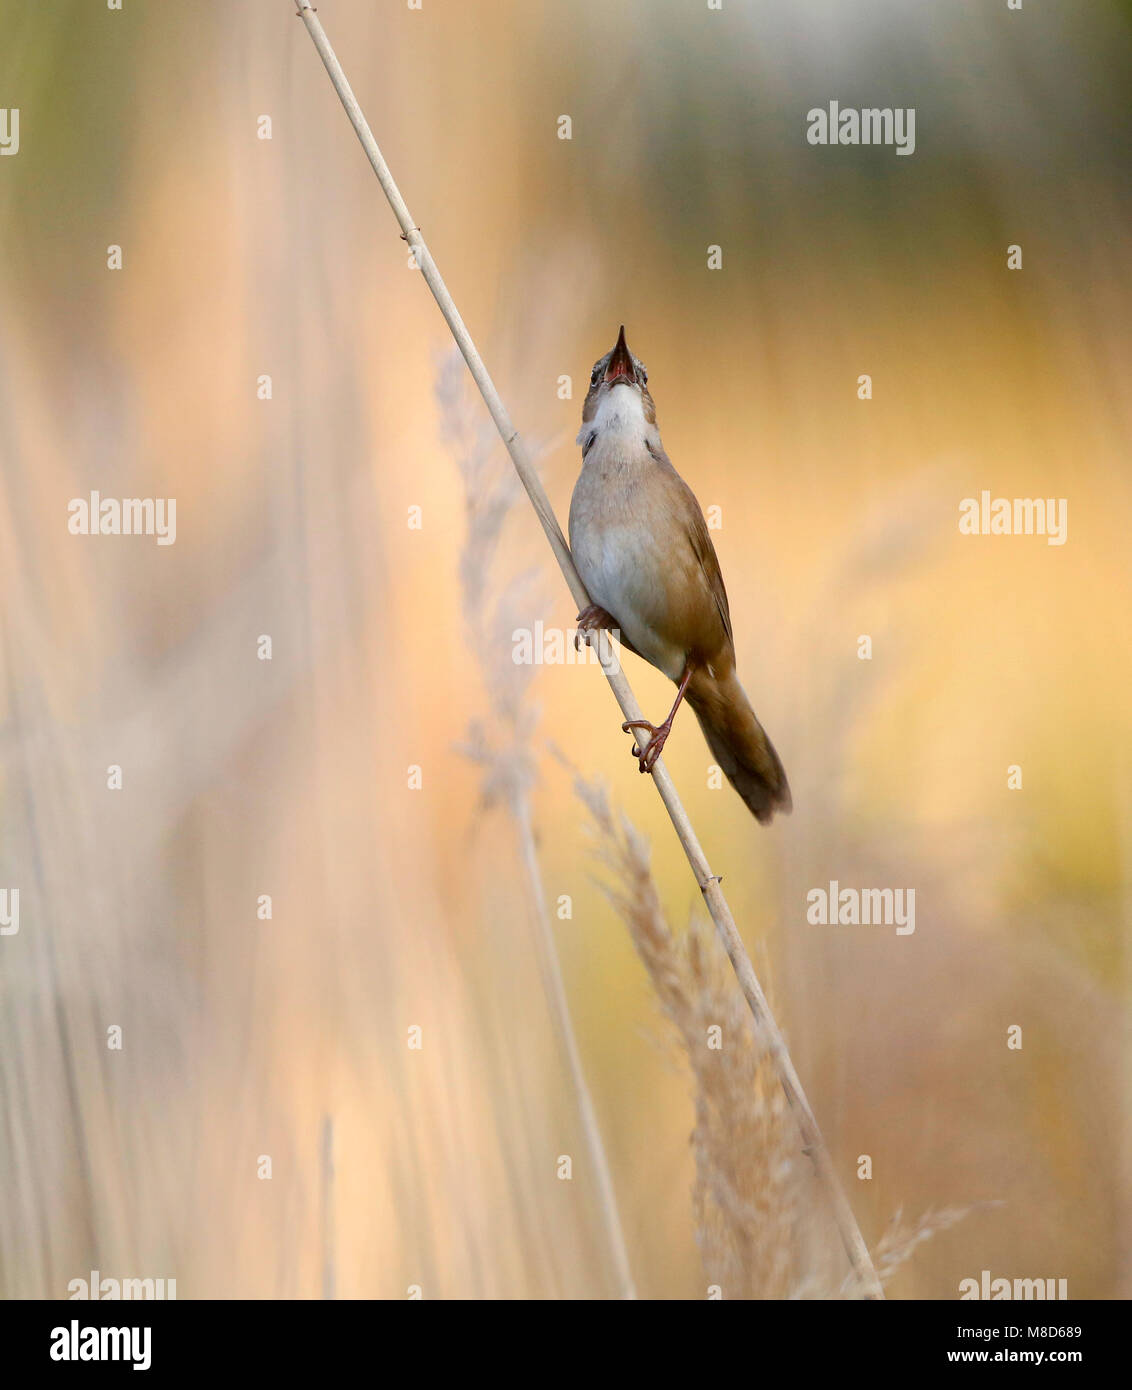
{"x": 738, "y": 743}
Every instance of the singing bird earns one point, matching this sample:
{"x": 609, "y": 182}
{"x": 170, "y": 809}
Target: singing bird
{"x": 642, "y": 548}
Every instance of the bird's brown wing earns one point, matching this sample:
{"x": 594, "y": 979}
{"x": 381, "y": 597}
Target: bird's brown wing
{"x": 699, "y": 539}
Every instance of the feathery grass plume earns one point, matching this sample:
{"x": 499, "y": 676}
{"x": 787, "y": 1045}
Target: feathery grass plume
{"x": 750, "y": 1176}
{"x": 757, "y": 1230}
{"x": 900, "y": 1239}
{"x": 490, "y": 491}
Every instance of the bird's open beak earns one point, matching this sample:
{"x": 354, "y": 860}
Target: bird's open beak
{"x": 620, "y": 363}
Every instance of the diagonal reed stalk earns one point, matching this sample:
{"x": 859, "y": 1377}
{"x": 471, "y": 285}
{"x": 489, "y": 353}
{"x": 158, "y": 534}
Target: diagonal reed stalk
{"x": 812, "y": 1142}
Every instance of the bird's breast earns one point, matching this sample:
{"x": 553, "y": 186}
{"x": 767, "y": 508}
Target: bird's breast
{"x": 621, "y": 559}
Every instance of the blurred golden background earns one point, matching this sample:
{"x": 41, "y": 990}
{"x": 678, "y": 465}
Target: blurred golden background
{"x": 394, "y": 907}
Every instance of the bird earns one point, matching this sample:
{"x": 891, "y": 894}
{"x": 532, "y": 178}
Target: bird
{"x": 643, "y": 551}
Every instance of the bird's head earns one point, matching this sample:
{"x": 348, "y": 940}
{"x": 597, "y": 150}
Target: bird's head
{"x": 616, "y": 372}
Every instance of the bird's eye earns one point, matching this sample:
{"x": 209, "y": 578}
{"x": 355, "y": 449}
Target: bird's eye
{"x": 644, "y": 377}
{"x": 593, "y": 377}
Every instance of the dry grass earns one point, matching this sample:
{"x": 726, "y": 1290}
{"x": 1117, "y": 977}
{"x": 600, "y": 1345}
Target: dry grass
{"x": 758, "y": 1219}
{"x": 901, "y": 1238}
{"x": 750, "y": 1176}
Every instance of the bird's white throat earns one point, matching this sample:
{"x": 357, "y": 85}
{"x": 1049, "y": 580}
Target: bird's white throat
{"x": 620, "y": 418}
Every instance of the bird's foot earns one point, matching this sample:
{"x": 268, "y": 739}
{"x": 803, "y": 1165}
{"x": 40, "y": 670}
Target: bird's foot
{"x": 591, "y": 619}
{"x": 658, "y": 736}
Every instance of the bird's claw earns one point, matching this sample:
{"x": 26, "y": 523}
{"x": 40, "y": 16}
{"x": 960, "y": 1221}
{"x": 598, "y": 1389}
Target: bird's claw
{"x": 658, "y": 736}
{"x": 589, "y": 620}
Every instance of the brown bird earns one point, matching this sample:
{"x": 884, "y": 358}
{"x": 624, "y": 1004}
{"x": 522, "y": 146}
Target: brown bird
{"x": 642, "y": 547}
